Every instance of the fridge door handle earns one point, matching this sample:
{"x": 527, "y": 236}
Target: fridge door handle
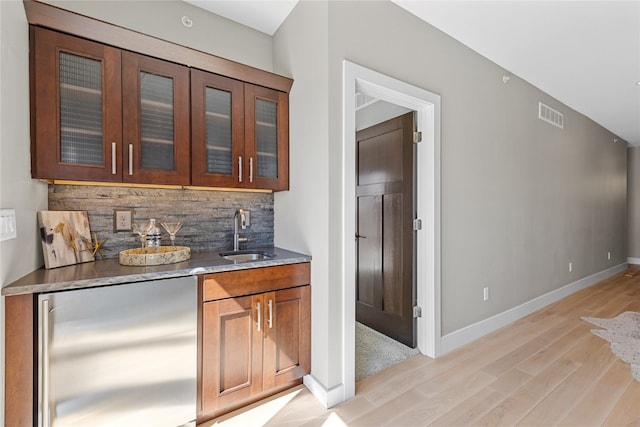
{"x": 43, "y": 365}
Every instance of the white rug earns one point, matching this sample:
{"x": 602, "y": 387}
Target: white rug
{"x": 623, "y": 332}
{"x": 376, "y": 351}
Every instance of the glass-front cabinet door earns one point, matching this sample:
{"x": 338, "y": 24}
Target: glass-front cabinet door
{"x": 156, "y": 134}
{"x": 217, "y": 130}
{"x": 266, "y": 138}
{"x": 104, "y": 114}
{"x": 76, "y": 125}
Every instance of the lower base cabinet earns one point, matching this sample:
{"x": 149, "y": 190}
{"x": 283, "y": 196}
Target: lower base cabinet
{"x": 255, "y": 335}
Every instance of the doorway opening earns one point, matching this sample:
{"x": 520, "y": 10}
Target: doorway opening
{"x": 427, "y": 107}
{"x": 385, "y": 235}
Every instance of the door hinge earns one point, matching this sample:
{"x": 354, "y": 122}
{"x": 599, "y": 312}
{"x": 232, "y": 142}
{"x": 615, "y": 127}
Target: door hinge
{"x": 417, "y": 137}
{"x": 417, "y": 224}
{"x": 417, "y": 311}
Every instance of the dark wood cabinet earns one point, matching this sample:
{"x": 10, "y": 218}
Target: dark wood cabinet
{"x": 101, "y": 113}
{"x": 287, "y": 348}
{"x": 156, "y": 134}
{"x": 240, "y": 134}
{"x": 267, "y": 137}
{"x": 104, "y": 114}
{"x": 76, "y": 108}
{"x": 253, "y": 345}
{"x": 232, "y": 351}
{"x": 217, "y": 125}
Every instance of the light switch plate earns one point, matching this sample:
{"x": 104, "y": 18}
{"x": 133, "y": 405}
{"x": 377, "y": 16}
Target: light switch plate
{"x": 122, "y": 219}
{"x": 8, "y": 229}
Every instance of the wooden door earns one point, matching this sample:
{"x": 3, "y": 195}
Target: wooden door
{"x": 217, "y": 126}
{"x": 76, "y": 121}
{"x": 287, "y": 348}
{"x": 385, "y": 238}
{"x": 157, "y": 146}
{"x": 231, "y": 351}
{"x": 266, "y": 138}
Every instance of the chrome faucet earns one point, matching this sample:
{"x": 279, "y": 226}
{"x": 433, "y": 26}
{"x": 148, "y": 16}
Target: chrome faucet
{"x": 239, "y": 221}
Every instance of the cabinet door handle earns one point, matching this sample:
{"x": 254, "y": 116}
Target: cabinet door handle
{"x": 270, "y": 321}
{"x": 259, "y": 316}
{"x": 113, "y": 158}
{"x": 239, "y": 168}
{"x": 130, "y": 159}
{"x": 250, "y": 169}
{"x": 43, "y": 361}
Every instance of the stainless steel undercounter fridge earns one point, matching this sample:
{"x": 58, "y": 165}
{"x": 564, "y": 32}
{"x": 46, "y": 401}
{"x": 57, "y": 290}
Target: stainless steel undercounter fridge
{"x": 121, "y": 355}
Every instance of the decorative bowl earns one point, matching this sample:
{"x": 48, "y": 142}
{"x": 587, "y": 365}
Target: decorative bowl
{"x": 155, "y": 255}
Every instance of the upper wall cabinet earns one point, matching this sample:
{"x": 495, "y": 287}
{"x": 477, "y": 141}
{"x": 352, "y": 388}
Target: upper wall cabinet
{"x": 156, "y": 137}
{"x": 267, "y": 137}
{"x": 113, "y": 105}
{"x": 239, "y": 134}
{"x": 104, "y": 114}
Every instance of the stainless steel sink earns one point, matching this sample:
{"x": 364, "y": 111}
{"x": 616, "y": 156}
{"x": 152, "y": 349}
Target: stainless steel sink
{"x": 246, "y": 255}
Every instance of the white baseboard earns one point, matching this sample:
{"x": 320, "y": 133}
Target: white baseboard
{"x": 470, "y": 333}
{"x": 328, "y": 397}
{"x": 633, "y": 260}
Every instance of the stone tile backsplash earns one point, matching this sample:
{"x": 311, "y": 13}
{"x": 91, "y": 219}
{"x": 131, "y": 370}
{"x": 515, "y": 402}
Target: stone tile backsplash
{"x": 207, "y": 215}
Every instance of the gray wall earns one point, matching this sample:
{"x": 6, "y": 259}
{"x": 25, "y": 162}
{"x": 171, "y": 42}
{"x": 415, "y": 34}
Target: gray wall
{"x": 520, "y": 198}
{"x": 162, "y": 19}
{"x": 633, "y": 203}
{"x": 17, "y": 189}
{"x": 302, "y": 213}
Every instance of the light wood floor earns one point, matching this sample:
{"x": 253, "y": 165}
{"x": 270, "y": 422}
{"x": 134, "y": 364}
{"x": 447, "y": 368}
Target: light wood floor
{"x": 545, "y": 369}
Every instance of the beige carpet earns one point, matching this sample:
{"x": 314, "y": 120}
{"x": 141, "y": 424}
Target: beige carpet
{"x": 375, "y": 351}
{"x": 623, "y": 332}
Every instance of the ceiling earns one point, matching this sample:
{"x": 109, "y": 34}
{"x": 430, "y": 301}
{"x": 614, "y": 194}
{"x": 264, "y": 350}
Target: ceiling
{"x": 586, "y": 54}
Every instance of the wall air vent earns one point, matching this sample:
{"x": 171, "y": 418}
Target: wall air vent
{"x": 550, "y": 115}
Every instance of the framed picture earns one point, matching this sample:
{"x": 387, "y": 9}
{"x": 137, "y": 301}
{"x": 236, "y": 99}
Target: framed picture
{"x": 66, "y": 238}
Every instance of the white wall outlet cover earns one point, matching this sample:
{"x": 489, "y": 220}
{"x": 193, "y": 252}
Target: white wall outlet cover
{"x": 8, "y": 228}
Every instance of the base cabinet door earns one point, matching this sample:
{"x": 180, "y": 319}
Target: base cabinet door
{"x": 231, "y": 351}
{"x": 288, "y": 336}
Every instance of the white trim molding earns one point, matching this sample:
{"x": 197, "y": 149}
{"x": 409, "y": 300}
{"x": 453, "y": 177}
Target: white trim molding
{"x": 328, "y": 397}
{"x": 427, "y": 106}
{"x": 470, "y": 333}
{"x": 633, "y": 260}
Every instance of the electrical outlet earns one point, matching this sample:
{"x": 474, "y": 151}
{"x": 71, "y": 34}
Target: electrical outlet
{"x": 570, "y": 267}
{"x": 486, "y": 294}
{"x": 608, "y": 255}
{"x": 122, "y": 219}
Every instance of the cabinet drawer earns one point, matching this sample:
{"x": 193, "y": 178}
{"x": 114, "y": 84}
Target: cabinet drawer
{"x": 254, "y": 280}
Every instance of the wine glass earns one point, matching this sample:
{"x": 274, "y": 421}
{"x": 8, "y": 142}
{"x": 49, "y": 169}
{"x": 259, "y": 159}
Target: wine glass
{"x": 172, "y": 228}
{"x": 141, "y": 229}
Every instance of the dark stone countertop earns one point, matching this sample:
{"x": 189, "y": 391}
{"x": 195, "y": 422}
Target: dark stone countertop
{"x": 110, "y": 272}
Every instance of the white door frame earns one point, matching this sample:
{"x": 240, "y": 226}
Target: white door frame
{"x": 427, "y": 106}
